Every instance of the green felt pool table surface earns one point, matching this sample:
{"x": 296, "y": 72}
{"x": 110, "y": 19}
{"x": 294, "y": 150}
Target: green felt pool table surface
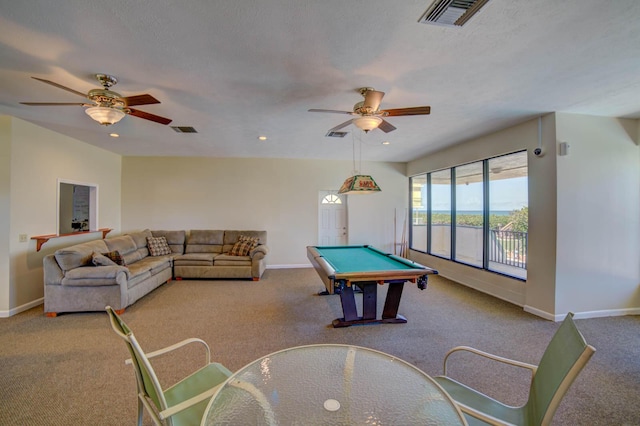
{"x": 345, "y": 259}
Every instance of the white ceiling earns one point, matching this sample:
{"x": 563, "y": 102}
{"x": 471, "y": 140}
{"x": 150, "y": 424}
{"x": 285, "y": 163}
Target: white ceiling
{"x": 235, "y": 70}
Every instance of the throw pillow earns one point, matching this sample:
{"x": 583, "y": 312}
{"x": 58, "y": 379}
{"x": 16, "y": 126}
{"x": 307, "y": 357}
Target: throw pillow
{"x": 158, "y": 246}
{"x": 244, "y": 246}
{"x": 115, "y": 257}
{"x": 101, "y": 260}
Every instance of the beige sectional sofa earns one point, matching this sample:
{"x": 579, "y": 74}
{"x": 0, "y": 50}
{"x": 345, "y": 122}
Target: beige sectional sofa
{"x": 79, "y": 278}
{"x": 206, "y": 255}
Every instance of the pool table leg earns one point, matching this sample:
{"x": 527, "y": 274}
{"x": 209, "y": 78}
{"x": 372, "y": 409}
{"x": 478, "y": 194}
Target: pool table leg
{"x": 348, "y": 301}
{"x": 392, "y": 302}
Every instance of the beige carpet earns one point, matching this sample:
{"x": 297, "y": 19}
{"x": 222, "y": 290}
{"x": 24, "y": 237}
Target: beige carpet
{"x": 70, "y": 370}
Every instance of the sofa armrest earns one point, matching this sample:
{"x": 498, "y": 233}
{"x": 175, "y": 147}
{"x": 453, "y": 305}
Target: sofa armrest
{"x": 96, "y": 276}
{"x": 259, "y": 252}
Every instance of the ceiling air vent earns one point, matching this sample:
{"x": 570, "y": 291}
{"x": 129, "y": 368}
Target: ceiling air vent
{"x": 451, "y": 12}
{"x": 184, "y": 129}
{"x": 336, "y": 134}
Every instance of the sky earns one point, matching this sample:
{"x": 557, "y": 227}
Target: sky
{"x": 505, "y": 194}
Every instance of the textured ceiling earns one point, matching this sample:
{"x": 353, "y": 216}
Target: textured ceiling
{"x": 235, "y": 70}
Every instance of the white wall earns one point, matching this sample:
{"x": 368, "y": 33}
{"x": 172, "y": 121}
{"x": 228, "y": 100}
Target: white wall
{"x": 276, "y": 195}
{"x": 598, "y": 237}
{"x": 38, "y": 158}
{"x": 5, "y": 212}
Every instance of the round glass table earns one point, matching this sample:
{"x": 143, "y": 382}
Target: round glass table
{"x": 331, "y": 385}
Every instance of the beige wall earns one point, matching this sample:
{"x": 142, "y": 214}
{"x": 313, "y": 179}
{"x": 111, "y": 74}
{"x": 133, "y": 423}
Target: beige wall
{"x": 5, "y": 212}
{"x": 38, "y": 158}
{"x": 598, "y": 239}
{"x": 277, "y": 195}
{"x": 584, "y": 231}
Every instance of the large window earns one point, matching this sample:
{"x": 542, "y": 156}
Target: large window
{"x": 475, "y": 213}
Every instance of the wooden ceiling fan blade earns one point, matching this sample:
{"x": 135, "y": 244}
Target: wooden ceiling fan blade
{"x": 60, "y": 86}
{"x": 331, "y": 111}
{"x": 422, "y": 110}
{"x": 340, "y": 126}
{"x": 149, "y": 116}
{"x": 372, "y": 99}
{"x": 141, "y": 100}
{"x": 55, "y": 103}
{"x": 386, "y": 127}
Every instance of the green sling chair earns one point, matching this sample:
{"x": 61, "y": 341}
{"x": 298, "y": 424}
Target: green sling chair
{"x": 562, "y": 361}
{"x": 183, "y": 403}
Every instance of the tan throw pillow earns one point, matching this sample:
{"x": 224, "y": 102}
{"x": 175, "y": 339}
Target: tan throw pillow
{"x": 158, "y": 246}
{"x": 244, "y": 246}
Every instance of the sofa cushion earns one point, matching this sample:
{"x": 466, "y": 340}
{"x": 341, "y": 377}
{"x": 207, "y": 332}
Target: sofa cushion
{"x": 79, "y": 255}
{"x": 115, "y": 257}
{"x": 175, "y": 239}
{"x": 126, "y": 246}
{"x": 229, "y": 260}
{"x": 158, "y": 246}
{"x": 194, "y": 259}
{"x": 101, "y": 260}
{"x": 204, "y": 241}
{"x": 140, "y": 238}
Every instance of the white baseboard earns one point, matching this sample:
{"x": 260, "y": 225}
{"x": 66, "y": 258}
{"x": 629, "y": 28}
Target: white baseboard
{"x": 292, "y": 266}
{"x": 584, "y": 314}
{"x": 25, "y": 307}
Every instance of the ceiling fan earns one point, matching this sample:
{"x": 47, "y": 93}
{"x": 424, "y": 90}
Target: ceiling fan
{"x": 106, "y": 106}
{"x": 369, "y": 116}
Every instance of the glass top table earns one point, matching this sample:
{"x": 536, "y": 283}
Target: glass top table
{"x": 331, "y": 384}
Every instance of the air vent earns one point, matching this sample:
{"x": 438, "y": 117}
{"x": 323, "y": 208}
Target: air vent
{"x": 336, "y": 134}
{"x": 451, "y": 12}
{"x": 184, "y": 129}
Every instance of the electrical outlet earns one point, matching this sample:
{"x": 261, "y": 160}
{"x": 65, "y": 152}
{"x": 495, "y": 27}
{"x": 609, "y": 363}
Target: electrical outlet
{"x": 23, "y": 238}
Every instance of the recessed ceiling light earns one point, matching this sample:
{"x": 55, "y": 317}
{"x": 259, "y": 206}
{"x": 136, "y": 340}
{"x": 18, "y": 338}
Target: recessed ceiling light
{"x": 386, "y": 143}
{"x": 114, "y": 135}
{"x": 262, "y": 138}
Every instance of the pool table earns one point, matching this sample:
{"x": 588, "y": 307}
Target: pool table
{"x": 343, "y": 267}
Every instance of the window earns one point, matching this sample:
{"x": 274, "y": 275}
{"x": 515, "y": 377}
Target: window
{"x": 419, "y": 212}
{"x": 440, "y": 226}
{"x": 469, "y": 214}
{"x": 487, "y": 204}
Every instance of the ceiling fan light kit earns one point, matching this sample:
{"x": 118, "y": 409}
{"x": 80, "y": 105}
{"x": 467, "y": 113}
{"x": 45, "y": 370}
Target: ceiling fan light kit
{"x": 105, "y": 115}
{"x": 367, "y": 123}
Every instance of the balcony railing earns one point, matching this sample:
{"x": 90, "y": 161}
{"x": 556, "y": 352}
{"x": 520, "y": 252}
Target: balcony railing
{"x": 507, "y": 249}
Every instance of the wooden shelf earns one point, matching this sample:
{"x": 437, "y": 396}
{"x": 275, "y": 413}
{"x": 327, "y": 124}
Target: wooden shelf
{"x": 41, "y": 239}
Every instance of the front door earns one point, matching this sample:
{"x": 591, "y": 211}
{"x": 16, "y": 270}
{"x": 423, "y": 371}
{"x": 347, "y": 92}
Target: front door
{"x": 332, "y": 218}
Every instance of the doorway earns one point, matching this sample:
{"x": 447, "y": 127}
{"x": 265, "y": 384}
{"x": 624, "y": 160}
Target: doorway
{"x": 332, "y": 219}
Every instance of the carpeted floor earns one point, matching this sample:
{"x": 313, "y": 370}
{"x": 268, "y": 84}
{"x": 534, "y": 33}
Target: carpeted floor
{"x": 70, "y": 370}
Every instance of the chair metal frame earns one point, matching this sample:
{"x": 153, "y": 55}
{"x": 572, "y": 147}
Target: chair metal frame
{"x": 540, "y": 408}
{"x": 151, "y": 395}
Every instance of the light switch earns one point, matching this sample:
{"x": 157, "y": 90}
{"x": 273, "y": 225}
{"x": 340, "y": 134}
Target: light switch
{"x": 23, "y": 238}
